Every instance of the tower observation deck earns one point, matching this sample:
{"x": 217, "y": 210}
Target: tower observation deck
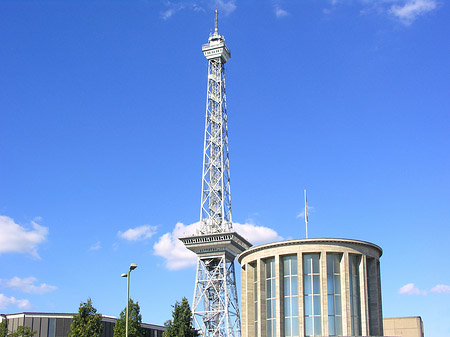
{"x": 215, "y": 306}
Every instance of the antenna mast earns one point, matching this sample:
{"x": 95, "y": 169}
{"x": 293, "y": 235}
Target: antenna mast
{"x": 306, "y": 216}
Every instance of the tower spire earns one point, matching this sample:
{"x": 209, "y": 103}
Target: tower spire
{"x": 215, "y": 306}
{"x": 216, "y": 23}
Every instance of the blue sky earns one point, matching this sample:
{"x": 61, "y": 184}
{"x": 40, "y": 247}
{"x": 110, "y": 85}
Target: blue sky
{"x": 102, "y": 109}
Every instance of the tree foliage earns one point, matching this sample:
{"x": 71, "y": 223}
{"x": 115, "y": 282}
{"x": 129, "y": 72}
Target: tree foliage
{"x": 22, "y": 331}
{"x": 181, "y": 323}
{"x": 4, "y": 328}
{"x": 87, "y": 323}
{"x": 134, "y": 322}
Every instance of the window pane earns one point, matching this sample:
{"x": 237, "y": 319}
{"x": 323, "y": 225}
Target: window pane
{"x": 294, "y": 265}
{"x": 273, "y": 287}
{"x": 294, "y": 286}
{"x": 337, "y": 284}
{"x": 317, "y": 326}
{"x": 308, "y": 305}
{"x": 51, "y": 327}
{"x": 317, "y": 305}
{"x": 316, "y": 287}
{"x": 286, "y": 267}
{"x": 287, "y": 306}
{"x": 287, "y": 327}
{"x": 269, "y": 329}
{"x": 307, "y": 264}
{"x": 331, "y": 328}
{"x": 294, "y": 306}
{"x": 331, "y": 305}
{"x": 315, "y": 259}
{"x": 308, "y": 286}
{"x": 330, "y": 264}
{"x": 268, "y": 289}
{"x": 338, "y": 326}
{"x": 337, "y": 261}
{"x": 286, "y": 287}
{"x": 308, "y": 326}
{"x": 295, "y": 327}
{"x": 269, "y": 309}
{"x": 337, "y": 303}
{"x": 330, "y": 287}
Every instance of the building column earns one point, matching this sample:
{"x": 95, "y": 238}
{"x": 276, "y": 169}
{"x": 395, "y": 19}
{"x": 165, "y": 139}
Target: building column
{"x": 324, "y": 292}
{"x": 345, "y": 296}
{"x": 278, "y": 298}
{"x": 364, "y": 297}
{"x": 301, "y": 310}
{"x": 262, "y": 313}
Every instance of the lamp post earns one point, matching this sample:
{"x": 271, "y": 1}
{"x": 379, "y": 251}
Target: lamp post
{"x": 133, "y": 266}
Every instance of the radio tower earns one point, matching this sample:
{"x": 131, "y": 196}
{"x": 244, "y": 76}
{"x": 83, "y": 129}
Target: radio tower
{"x": 215, "y": 306}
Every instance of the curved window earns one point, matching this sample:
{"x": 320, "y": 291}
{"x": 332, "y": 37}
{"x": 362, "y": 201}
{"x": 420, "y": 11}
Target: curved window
{"x": 334, "y": 295}
{"x": 355, "y": 300}
{"x": 311, "y": 290}
{"x": 270, "y": 297}
{"x": 290, "y": 291}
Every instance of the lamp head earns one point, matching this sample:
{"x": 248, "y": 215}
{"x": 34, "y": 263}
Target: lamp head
{"x": 124, "y": 275}
{"x": 133, "y": 266}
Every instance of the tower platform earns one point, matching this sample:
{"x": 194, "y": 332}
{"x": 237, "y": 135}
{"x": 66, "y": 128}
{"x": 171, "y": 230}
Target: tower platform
{"x": 209, "y": 245}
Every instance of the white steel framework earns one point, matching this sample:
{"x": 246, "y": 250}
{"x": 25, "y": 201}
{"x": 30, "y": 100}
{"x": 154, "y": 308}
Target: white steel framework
{"x": 215, "y": 210}
{"x": 215, "y": 306}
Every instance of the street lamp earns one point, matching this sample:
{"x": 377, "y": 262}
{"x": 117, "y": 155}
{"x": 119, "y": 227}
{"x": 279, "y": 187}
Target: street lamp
{"x": 133, "y": 266}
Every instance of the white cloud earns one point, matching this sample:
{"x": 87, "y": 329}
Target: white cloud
{"x": 410, "y": 289}
{"x": 441, "y": 289}
{"x": 411, "y": 9}
{"x": 225, "y": 7}
{"x": 177, "y": 256}
{"x": 138, "y": 233}
{"x": 17, "y": 239}
{"x": 8, "y": 301}
{"x": 280, "y": 12}
{"x": 95, "y": 246}
{"x": 27, "y": 285}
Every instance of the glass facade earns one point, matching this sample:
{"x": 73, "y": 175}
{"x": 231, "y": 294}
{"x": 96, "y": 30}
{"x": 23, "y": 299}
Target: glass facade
{"x": 290, "y": 291}
{"x": 311, "y": 292}
{"x": 355, "y": 300}
{"x": 270, "y": 298}
{"x": 334, "y": 295}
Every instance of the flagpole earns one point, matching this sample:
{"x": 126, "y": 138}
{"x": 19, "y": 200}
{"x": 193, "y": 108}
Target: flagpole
{"x": 306, "y": 216}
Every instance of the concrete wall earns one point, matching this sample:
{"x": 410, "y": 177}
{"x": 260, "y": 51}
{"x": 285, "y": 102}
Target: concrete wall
{"x": 403, "y": 326}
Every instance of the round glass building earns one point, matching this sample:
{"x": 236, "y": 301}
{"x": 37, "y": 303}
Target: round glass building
{"x": 311, "y": 287}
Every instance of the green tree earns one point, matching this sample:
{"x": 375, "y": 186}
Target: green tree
{"x": 87, "y": 323}
{"x": 134, "y": 322}
{"x": 22, "y": 331}
{"x": 181, "y": 323}
{"x": 4, "y": 328}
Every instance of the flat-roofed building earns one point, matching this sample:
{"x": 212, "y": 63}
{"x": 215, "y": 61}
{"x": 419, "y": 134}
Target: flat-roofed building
{"x": 311, "y": 287}
{"x": 58, "y": 324}
{"x": 403, "y": 326}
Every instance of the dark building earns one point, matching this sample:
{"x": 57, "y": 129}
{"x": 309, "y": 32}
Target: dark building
{"x": 58, "y": 324}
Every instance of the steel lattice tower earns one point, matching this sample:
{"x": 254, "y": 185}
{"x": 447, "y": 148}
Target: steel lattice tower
{"x": 215, "y": 306}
